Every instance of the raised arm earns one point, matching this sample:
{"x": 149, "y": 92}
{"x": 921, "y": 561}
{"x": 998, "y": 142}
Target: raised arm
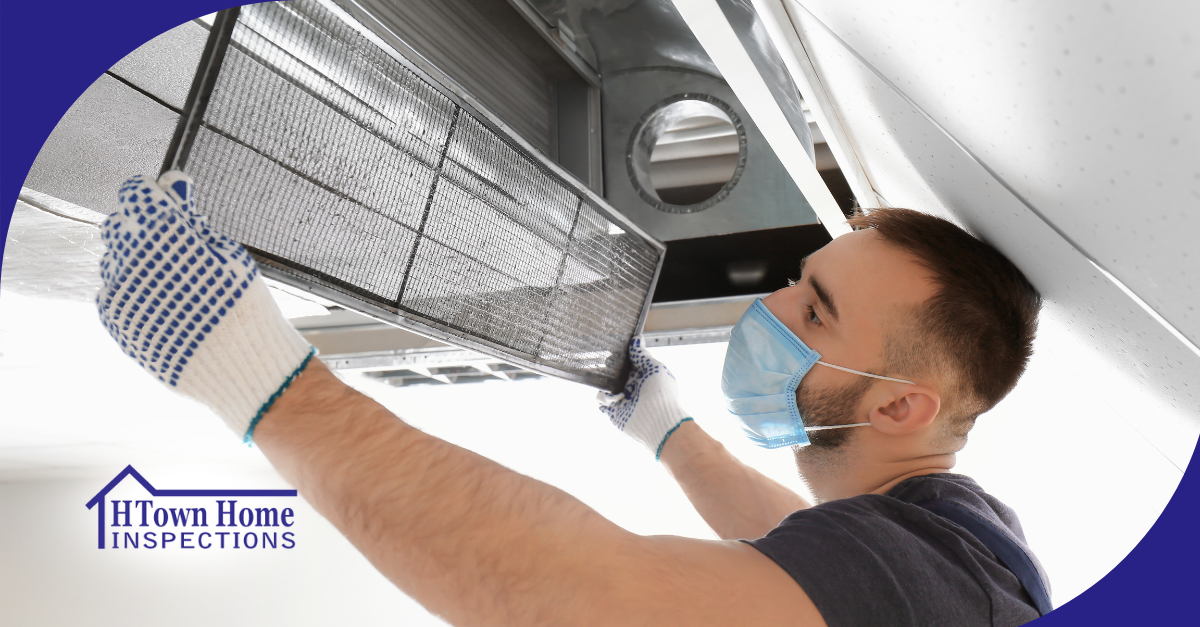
{"x": 734, "y": 499}
{"x": 482, "y": 545}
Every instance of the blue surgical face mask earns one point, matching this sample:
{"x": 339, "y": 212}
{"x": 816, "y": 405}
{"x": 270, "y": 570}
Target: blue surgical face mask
{"x": 763, "y": 367}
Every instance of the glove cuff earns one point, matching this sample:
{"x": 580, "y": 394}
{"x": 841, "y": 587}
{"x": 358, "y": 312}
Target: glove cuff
{"x": 246, "y": 362}
{"x": 658, "y": 452}
{"x": 658, "y": 415}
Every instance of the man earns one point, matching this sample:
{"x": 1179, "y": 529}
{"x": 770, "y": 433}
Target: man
{"x": 917, "y": 326}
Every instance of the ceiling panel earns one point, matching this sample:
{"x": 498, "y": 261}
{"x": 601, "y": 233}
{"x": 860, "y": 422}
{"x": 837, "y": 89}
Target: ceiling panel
{"x": 1088, "y": 111}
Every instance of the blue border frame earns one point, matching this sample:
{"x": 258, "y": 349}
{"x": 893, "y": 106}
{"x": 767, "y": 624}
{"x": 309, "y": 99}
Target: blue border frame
{"x": 51, "y": 52}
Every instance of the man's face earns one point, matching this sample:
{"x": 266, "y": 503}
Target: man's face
{"x": 839, "y": 307}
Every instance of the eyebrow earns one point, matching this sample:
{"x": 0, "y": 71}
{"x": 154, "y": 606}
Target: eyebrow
{"x": 824, "y": 296}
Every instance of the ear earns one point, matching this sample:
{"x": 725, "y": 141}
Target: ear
{"x": 907, "y": 409}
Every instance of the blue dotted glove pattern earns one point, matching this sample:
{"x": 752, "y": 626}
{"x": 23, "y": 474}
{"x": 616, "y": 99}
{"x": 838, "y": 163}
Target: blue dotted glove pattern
{"x": 169, "y": 279}
{"x": 620, "y": 407}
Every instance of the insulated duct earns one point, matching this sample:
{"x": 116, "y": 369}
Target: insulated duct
{"x": 350, "y": 172}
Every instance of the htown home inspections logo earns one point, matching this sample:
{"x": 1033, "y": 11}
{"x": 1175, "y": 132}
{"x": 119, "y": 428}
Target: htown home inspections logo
{"x": 189, "y": 526}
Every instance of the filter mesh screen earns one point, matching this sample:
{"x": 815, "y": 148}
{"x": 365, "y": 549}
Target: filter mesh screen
{"x": 336, "y": 163}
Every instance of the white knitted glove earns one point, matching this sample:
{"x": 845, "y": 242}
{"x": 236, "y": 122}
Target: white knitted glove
{"x": 648, "y": 409}
{"x": 186, "y": 302}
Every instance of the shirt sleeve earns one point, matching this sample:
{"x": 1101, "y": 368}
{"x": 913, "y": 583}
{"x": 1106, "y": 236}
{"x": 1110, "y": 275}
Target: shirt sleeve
{"x": 864, "y": 562}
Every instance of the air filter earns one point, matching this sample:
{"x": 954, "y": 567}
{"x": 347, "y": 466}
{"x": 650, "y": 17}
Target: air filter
{"x": 348, "y": 171}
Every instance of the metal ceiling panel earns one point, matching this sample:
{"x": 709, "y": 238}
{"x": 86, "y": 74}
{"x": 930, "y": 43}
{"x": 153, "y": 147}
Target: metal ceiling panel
{"x": 1088, "y": 112}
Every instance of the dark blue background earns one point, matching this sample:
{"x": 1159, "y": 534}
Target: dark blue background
{"x": 50, "y": 52}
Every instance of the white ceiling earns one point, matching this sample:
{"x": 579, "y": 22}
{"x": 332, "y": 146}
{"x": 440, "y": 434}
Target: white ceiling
{"x": 1089, "y": 111}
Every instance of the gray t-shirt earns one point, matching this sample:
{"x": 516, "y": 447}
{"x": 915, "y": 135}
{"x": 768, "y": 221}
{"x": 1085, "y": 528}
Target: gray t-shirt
{"x": 880, "y": 560}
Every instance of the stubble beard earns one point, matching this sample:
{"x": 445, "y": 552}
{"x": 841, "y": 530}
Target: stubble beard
{"x": 826, "y": 456}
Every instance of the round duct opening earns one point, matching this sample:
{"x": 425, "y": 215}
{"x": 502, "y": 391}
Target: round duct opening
{"x": 686, "y": 153}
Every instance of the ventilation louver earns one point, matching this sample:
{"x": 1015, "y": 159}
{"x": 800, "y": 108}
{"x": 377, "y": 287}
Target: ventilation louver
{"x": 347, "y": 170}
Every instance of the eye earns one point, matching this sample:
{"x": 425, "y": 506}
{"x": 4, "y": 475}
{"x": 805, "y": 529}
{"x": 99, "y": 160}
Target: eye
{"x": 812, "y": 316}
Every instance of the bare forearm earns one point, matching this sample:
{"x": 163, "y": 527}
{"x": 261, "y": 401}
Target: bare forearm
{"x": 471, "y": 540}
{"x": 733, "y": 498}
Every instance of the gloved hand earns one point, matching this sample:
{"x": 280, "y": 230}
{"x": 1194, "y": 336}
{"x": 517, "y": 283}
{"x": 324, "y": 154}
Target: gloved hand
{"x": 648, "y": 409}
{"x": 187, "y": 303}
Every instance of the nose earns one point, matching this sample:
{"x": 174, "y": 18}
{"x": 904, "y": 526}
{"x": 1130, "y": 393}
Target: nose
{"x": 772, "y": 301}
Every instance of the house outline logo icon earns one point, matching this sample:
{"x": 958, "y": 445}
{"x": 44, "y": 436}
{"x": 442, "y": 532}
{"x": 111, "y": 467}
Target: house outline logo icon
{"x": 129, "y": 471}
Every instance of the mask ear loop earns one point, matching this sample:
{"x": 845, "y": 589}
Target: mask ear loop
{"x": 826, "y": 428}
{"x": 865, "y": 374}
{"x": 853, "y": 371}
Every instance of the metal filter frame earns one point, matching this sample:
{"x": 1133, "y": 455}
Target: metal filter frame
{"x": 193, "y": 121}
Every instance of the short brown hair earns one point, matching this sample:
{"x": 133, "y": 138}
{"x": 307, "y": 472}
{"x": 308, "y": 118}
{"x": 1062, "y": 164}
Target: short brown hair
{"x": 975, "y": 334}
